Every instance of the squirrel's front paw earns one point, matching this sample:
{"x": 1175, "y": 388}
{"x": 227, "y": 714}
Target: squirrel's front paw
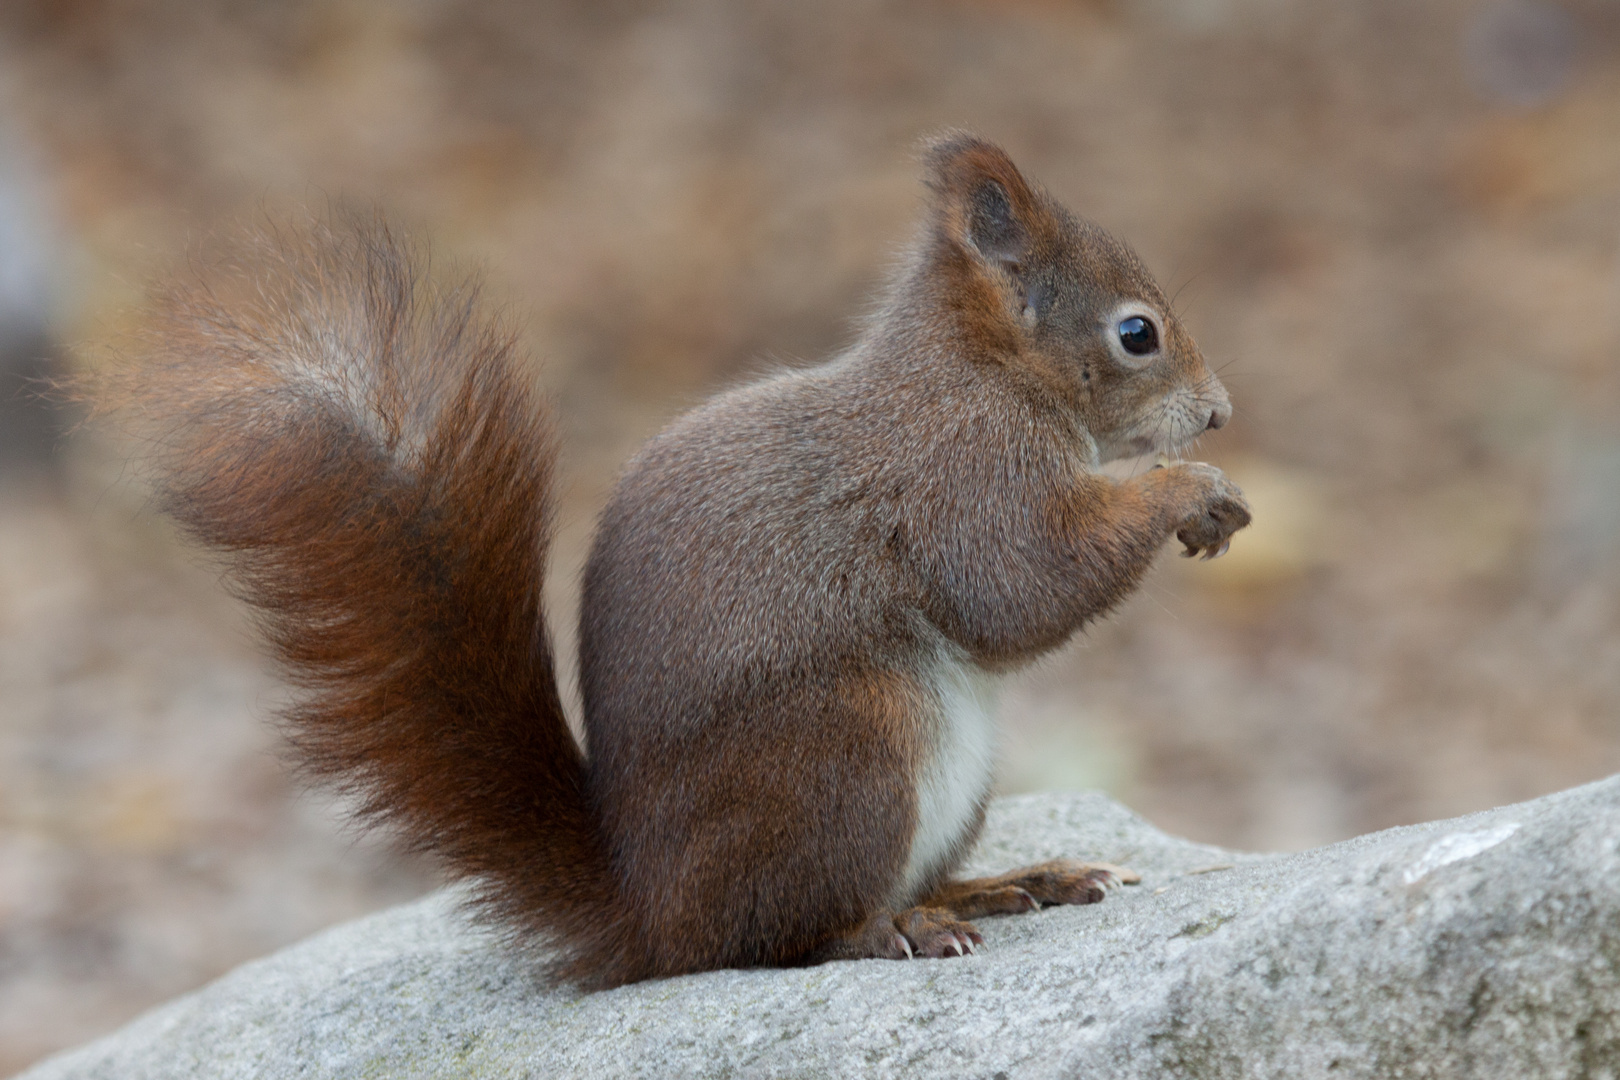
{"x": 1222, "y": 512}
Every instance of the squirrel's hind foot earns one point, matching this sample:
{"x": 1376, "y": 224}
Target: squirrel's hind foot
{"x": 1059, "y": 881}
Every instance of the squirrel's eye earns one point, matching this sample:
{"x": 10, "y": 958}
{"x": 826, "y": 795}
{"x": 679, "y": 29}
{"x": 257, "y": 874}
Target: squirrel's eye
{"x": 1138, "y": 335}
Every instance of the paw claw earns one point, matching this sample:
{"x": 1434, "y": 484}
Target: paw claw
{"x": 1119, "y": 875}
{"x": 935, "y": 932}
{"x": 905, "y": 946}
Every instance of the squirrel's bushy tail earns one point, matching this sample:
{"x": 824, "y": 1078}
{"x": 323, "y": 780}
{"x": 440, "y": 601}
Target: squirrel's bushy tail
{"x": 363, "y": 449}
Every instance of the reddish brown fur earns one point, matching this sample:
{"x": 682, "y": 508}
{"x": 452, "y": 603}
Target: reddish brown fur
{"x": 391, "y": 533}
{"x": 771, "y": 595}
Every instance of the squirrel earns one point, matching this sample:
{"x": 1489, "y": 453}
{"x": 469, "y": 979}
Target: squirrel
{"x": 797, "y": 607}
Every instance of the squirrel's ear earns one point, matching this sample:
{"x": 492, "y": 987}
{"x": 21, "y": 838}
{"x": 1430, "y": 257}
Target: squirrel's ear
{"x": 982, "y": 200}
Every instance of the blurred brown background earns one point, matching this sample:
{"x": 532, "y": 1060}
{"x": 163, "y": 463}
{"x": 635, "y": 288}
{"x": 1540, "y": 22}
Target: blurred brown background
{"x": 1393, "y": 226}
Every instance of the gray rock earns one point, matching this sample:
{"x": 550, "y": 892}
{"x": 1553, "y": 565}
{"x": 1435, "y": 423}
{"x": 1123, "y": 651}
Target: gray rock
{"x": 1484, "y": 946}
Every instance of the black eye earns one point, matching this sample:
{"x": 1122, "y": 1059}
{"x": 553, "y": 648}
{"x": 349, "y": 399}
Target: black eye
{"x": 1138, "y": 335}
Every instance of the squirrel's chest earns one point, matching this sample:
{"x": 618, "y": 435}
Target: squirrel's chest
{"x": 954, "y": 773}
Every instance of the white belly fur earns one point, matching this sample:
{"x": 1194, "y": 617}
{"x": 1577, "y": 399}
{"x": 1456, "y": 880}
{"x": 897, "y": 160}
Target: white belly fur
{"x": 956, "y": 773}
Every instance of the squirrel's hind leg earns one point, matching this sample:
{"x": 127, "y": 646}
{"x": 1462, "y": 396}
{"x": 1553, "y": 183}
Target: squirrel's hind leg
{"x": 1060, "y": 881}
{"x": 938, "y": 927}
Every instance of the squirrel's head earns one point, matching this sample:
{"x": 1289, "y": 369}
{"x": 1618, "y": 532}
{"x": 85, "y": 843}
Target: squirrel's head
{"x": 1065, "y": 304}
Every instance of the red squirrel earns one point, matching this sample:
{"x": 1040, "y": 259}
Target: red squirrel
{"x": 797, "y": 606}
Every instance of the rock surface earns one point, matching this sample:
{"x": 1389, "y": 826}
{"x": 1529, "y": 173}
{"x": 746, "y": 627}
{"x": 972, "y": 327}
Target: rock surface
{"x": 1484, "y": 946}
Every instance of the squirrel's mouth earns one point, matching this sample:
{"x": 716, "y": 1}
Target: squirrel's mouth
{"x": 1145, "y": 444}
{"x": 1174, "y": 422}
{"x": 1133, "y": 446}
{"x": 1162, "y": 441}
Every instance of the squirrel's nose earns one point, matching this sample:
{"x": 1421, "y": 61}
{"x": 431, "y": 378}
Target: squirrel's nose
{"x": 1218, "y": 416}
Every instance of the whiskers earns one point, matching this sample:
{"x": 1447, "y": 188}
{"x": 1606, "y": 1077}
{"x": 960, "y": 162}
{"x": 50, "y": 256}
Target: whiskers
{"x": 1173, "y": 425}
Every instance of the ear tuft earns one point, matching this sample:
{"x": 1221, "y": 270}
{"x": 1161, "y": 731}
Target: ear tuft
{"x": 983, "y": 201}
